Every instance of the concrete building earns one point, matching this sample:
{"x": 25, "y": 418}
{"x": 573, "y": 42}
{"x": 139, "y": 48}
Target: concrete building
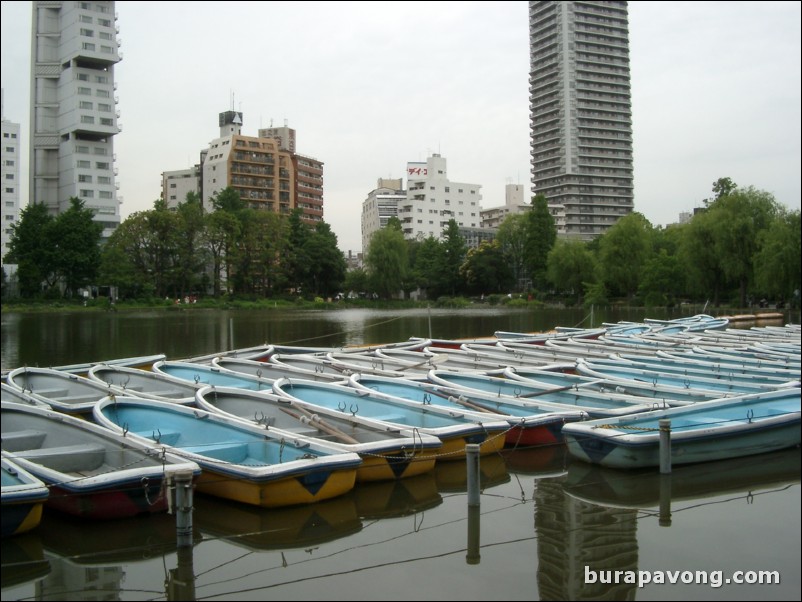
{"x": 177, "y": 184}
{"x": 74, "y": 115}
{"x": 380, "y": 206}
{"x": 514, "y": 203}
{"x": 432, "y": 200}
{"x": 580, "y": 111}
{"x": 10, "y": 176}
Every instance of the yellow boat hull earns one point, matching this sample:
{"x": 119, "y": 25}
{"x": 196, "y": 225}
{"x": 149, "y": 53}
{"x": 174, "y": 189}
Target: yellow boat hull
{"x": 395, "y": 466}
{"x": 454, "y": 448}
{"x": 287, "y": 491}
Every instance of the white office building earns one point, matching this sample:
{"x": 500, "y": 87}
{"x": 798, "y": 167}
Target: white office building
{"x": 74, "y": 115}
{"x": 380, "y": 205}
{"x": 432, "y": 200}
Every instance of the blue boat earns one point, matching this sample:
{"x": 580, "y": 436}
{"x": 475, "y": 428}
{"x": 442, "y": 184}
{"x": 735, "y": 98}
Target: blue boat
{"x": 453, "y": 428}
{"x": 201, "y": 374}
{"x": 239, "y": 460}
{"x": 23, "y": 496}
{"x": 710, "y": 430}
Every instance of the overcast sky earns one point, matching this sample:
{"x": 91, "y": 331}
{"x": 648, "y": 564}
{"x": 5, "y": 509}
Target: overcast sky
{"x": 369, "y": 86}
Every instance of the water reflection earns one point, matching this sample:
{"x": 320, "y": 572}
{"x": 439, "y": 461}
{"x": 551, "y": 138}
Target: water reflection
{"x": 23, "y": 559}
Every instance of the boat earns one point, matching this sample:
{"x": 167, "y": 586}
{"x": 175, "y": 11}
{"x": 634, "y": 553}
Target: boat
{"x": 240, "y": 461}
{"x": 385, "y": 454}
{"x": 701, "y": 432}
{"x": 141, "y": 383}
{"x": 570, "y": 396}
{"x": 271, "y": 371}
{"x": 91, "y": 472}
{"x": 454, "y": 429}
{"x": 529, "y": 424}
{"x": 23, "y": 496}
{"x": 143, "y": 362}
{"x": 201, "y": 374}
{"x": 63, "y": 391}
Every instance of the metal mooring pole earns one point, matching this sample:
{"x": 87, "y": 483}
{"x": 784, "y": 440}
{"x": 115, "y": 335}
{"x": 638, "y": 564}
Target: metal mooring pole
{"x": 665, "y": 446}
{"x": 183, "y": 508}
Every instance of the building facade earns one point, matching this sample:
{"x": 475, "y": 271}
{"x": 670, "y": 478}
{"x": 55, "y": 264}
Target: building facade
{"x": 74, "y": 115}
{"x": 380, "y": 205}
{"x": 10, "y": 177}
{"x": 433, "y": 200}
{"x": 580, "y": 112}
{"x": 514, "y": 203}
{"x": 176, "y": 185}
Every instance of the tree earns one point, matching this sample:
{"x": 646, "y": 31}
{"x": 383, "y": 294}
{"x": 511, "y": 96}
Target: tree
{"x": 541, "y": 235}
{"x": 569, "y": 266}
{"x": 327, "y": 271}
{"x": 623, "y": 251}
{"x": 221, "y": 233}
{"x": 75, "y": 238}
{"x": 191, "y": 255}
{"x": 297, "y": 262}
{"x": 485, "y": 269}
{"x": 703, "y": 274}
{"x": 31, "y": 249}
{"x": 387, "y": 259}
{"x": 429, "y": 257}
{"x": 662, "y": 279}
{"x": 512, "y": 237}
{"x": 738, "y": 220}
{"x": 454, "y": 250}
{"x": 777, "y": 263}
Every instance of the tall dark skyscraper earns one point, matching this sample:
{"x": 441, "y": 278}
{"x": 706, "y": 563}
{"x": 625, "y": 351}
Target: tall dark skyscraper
{"x": 581, "y": 113}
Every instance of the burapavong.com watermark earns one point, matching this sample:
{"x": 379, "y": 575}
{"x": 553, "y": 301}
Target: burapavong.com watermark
{"x": 711, "y": 578}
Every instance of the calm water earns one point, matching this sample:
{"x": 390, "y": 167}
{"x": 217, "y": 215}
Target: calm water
{"x": 542, "y": 519}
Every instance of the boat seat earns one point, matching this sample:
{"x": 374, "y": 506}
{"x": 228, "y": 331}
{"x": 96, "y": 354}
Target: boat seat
{"x": 80, "y": 398}
{"x": 49, "y": 392}
{"x": 171, "y": 393}
{"x": 231, "y": 451}
{"x": 27, "y": 439}
{"x": 68, "y": 458}
{"x": 304, "y": 431}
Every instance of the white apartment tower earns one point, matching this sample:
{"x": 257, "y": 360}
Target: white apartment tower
{"x": 380, "y": 205}
{"x": 10, "y": 177}
{"x": 432, "y": 200}
{"x": 580, "y": 111}
{"x": 74, "y": 108}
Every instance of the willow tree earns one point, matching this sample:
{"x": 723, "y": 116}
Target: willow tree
{"x": 387, "y": 260}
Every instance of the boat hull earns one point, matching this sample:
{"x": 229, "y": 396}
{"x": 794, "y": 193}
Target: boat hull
{"x": 21, "y": 517}
{"x": 117, "y": 500}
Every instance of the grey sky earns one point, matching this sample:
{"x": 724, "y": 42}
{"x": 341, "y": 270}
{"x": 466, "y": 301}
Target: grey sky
{"x": 370, "y": 86}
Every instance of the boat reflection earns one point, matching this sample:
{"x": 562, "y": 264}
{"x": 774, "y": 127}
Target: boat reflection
{"x": 258, "y": 528}
{"x": 542, "y": 461}
{"x": 642, "y": 488}
{"x": 391, "y": 499}
{"x": 23, "y": 560}
{"x": 452, "y": 477}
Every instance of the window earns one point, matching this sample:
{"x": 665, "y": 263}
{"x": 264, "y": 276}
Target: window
{"x": 85, "y": 104}
{"x": 85, "y": 19}
{"x": 106, "y": 121}
{"x": 87, "y": 194}
{"x": 9, "y": 176}
{"x": 448, "y": 189}
{"x": 102, "y": 79}
{"x": 104, "y": 194}
{"x": 100, "y": 150}
{"x": 88, "y": 33}
{"x": 103, "y": 180}
{"x": 102, "y": 94}
{"x": 102, "y": 165}
{"x": 88, "y": 46}
{"x": 106, "y": 49}
{"x": 104, "y": 22}
{"x": 83, "y": 77}
{"x": 84, "y": 91}
{"x": 84, "y": 164}
{"x": 87, "y": 119}
{"x": 10, "y": 203}
{"x": 104, "y": 35}
{"x": 82, "y": 149}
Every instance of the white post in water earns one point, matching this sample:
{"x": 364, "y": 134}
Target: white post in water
{"x": 473, "y": 556}
{"x": 231, "y": 334}
{"x": 665, "y": 445}
{"x": 429, "y": 308}
{"x": 472, "y": 463}
{"x": 183, "y": 508}
{"x": 665, "y": 500}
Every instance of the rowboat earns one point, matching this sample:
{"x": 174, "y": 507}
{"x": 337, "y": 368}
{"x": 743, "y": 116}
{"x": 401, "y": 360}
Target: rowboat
{"x": 240, "y": 461}
{"x": 454, "y": 429}
{"x": 91, "y": 472}
{"x": 271, "y": 370}
{"x": 705, "y": 431}
{"x": 141, "y": 383}
{"x": 143, "y": 362}
{"x": 385, "y": 454}
{"x": 23, "y": 496}
{"x": 63, "y": 391}
{"x": 529, "y": 424}
{"x": 201, "y": 374}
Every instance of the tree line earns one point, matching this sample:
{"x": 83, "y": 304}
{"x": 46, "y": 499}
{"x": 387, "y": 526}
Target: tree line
{"x": 742, "y": 247}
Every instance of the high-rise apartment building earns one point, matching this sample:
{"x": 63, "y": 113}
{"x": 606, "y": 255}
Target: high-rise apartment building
{"x": 580, "y": 111}
{"x": 73, "y": 108}
{"x": 10, "y": 178}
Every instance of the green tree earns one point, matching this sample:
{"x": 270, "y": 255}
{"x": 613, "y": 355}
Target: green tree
{"x": 32, "y": 250}
{"x": 623, "y": 251}
{"x": 297, "y": 261}
{"x": 221, "y": 234}
{"x": 486, "y": 270}
{"x": 542, "y": 233}
{"x": 777, "y": 263}
{"x": 429, "y": 257}
{"x": 356, "y": 281}
{"x": 512, "y": 237}
{"x": 662, "y": 279}
{"x": 327, "y": 271}
{"x": 387, "y": 259}
{"x": 738, "y": 220}
{"x": 569, "y": 266}
{"x": 75, "y": 237}
{"x": 191, "y": 255}
{"x": 454, "y": 250}
{"x": 704, "y": 277}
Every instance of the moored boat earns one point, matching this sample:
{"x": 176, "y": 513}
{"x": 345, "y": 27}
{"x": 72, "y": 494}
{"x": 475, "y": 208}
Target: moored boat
{"x": 240, "y": 461}
{"x": 385, "y": 454}
{"x": 705, "y": 431}
{"x": 23, "y": 496}
{"x": 63, "y": 391}
{"x": 141, "y": 383}
{"x": 91, "y": 471}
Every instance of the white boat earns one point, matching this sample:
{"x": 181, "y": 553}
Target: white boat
{"x": 63, "y": 391}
